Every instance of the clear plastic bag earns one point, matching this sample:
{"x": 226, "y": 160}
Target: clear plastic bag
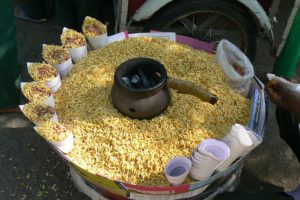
{"x": 235, "y": 65}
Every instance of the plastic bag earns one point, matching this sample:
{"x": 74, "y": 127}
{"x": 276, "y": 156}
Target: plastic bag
{"x": 235, "y": 65}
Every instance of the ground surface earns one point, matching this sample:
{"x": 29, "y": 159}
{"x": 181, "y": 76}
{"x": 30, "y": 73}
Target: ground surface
{"x": 31, "y": 170}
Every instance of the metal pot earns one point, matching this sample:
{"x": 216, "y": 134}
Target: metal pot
{"x": 141, "y": 88}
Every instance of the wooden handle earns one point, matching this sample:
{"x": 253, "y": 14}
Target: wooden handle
{"x": 187, "y": 87}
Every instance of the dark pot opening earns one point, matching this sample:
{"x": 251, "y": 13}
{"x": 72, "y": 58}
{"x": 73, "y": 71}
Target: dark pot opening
{"x": 141, "y": 75}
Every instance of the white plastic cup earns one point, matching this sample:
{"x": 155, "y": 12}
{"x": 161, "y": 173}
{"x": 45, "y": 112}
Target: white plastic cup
{"x": 209, "y": 155}
{"x": 64, "y": 146}
{"x": 215, "y": 149}
{"x": 239, "y": 142}
{"x": 177, "y": 170}
{"x": 98, "y": 41}
{"x": 256, "y": 140}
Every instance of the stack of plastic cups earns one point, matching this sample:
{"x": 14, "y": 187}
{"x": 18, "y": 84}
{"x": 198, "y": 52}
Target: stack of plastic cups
{"x": 207, "y": 157}
{"x": 239, "y": 142}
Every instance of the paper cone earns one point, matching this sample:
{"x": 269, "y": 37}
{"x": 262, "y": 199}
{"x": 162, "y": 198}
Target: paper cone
{"x": 98, "y": 41}
{"x": 64, "y": 68}
{"x": 22, "y": 84}
{"x": 28, "y": 64}
{"x": 177, "y": 170}
{"x": 21, "y": 107}
{"x": 54, "y": 118}
{"x": 64, "y": 146}
{"x": 50, "y": 101}
{"x": 78, "y": 53}
{"x": 54, "y": 84}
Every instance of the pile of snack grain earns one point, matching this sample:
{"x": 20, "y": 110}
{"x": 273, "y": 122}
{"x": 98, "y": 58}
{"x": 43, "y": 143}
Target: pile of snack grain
{"x": 135, "y": 151}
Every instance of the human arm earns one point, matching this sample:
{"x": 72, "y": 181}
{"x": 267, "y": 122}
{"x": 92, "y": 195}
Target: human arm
{"x": 284, "y": 94}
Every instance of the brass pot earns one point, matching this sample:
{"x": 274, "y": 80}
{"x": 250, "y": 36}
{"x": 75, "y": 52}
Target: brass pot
{"x": 151, "y": 96}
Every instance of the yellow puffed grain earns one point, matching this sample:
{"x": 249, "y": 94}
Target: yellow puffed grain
{"x": 136, "y": 151}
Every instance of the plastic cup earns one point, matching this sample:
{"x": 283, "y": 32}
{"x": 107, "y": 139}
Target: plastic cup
{"x": 64, "y": 146}
{"x": 98, "y": 41}
{"x": 209, "y": 155}
{"x": 177, "y": 170}
{"x": 256, "y": 140}
{"x": 215, "y": 149}
{"x": 239, "y": 142}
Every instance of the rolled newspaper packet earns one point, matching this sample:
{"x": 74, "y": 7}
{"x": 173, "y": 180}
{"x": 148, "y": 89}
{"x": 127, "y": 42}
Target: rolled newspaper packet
{"x": 95, "y": 32}
{"x": 239, "y": 142}
{"x": 75, "y": 42}
{"x": 59, "y": 135}
{"x": 59, "y": 57}
{"x": 38, "y": 92}
{"x": 39, "y": 113}
{"x": 46, "y": 73}
{"x": 177, "y": 169}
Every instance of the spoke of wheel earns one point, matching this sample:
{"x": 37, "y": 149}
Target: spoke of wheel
{"x": 188, "y": 24}
{"x": 208, "y": 22}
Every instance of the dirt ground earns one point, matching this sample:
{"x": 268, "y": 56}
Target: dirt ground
{"x": 31, "y": 170}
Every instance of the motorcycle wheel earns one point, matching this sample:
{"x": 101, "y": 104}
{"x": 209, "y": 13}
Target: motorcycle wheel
{"x": 210, "y": 21}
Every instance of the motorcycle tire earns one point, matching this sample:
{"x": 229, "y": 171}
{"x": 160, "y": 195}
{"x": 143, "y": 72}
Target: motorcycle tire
{"x": 170, "y": 17}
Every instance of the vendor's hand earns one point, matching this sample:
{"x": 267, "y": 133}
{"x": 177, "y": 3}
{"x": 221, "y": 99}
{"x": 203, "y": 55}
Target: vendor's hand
{"x": 283, "y": 93}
